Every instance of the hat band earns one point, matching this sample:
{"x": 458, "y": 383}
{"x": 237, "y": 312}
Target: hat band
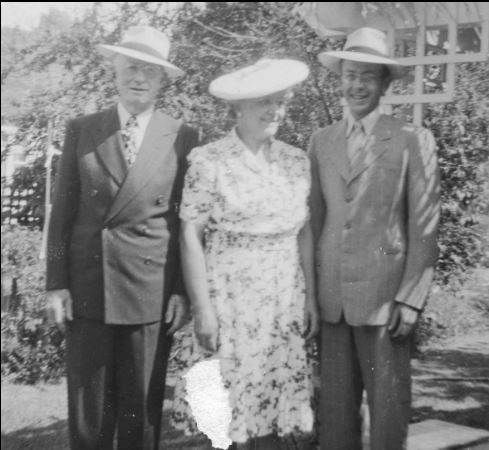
{"x": 143, "y": 48}
{"x": 368, "y": 50}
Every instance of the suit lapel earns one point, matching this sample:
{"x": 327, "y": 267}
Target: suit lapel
{"x": 108, "y": 145}
{"x": 377, "y": 143}
{"x": 157, "y": 145}
{"x": 336, "y": 149}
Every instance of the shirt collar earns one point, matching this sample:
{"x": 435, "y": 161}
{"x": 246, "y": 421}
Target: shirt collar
{"x": 368, "y": 122}
{"x": 142, "y": 118}
{"x": 235, "y": 136}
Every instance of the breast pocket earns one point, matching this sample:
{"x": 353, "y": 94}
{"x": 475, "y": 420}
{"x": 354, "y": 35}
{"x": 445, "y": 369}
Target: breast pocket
{"x": 386, "y": 181}
{"x": 395, "y": 248}
{"x": 387, "y": 167}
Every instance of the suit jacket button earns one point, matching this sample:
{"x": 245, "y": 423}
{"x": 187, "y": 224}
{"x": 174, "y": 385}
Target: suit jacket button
{"x": 93, "y": 192}
{"x": 147, "y": 261}
{"x": 348, "y": 198}
{"x": 347, "y": 225}
{"x": 96, "y": 257}
{"x": 160, "y": 200}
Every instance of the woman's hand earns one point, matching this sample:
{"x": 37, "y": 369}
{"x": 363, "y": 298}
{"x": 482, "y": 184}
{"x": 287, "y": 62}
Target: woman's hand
{"x": 206, "y": 328}
{"x": 177, "y": 313}
{"x": 311, "y": 319}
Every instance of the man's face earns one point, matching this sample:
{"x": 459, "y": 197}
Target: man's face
{"x": 363, "y": 84}
{"x": 137, "y": 82}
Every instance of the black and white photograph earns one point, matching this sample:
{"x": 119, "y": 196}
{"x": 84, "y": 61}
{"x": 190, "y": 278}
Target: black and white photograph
{"x": 245, "y": 225}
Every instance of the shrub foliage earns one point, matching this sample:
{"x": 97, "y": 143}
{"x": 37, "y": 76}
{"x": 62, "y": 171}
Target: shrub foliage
{"x": 31, "y": 350}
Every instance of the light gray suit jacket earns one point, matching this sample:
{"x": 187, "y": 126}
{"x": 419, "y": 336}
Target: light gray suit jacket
{"x": 375, "y": 226}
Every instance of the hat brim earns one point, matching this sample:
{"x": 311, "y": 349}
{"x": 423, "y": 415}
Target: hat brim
{"x": 172, "y": 70}
{"x": 259, "y": 81}
{"x": 332, "y": 60}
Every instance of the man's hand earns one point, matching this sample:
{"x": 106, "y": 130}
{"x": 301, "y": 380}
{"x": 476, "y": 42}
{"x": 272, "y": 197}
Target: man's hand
{"x": 311, "y": 319}
{"x": 177, "y": 313}
{"x": 59, "y": 307}
{"x": 206, "y": 328}
{"x": 402, "y": 321}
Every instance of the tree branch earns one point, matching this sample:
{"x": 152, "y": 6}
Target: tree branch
{"x": 222, "y": 32}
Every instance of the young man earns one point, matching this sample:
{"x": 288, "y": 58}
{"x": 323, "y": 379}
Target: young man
{"x": 375, "y": 209}
{"x": 113, "y": 271}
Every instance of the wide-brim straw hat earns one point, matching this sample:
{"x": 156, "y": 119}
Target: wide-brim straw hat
{"x": 146, "y": 44}
{"x": 265, "y": 77}
{"x": 364, "y": 45}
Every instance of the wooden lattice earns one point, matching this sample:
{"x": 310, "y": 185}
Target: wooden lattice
{"x": 432, "y": 38}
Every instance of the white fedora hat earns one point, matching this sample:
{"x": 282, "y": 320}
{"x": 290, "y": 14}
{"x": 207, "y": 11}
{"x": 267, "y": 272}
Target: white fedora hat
{"x": 265, "y": 77}
{"x": 364, "y": 45}
{"x": 146, "y": 44}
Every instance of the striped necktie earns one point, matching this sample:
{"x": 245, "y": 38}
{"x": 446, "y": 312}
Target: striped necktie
{"x": 129, "y": 133}
{"x": 356, "y": 142}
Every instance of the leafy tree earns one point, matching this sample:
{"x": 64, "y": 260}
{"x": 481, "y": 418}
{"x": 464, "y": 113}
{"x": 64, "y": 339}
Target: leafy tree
{"x": 220, "y": 36}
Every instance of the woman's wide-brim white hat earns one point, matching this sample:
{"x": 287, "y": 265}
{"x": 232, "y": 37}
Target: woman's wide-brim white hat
{"x": 364, "y": 45}
{"x": 145, "y": 44}
{"x": 265, "y": 77}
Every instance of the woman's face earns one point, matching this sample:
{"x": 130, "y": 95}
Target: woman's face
{"x": 261, "y": 117}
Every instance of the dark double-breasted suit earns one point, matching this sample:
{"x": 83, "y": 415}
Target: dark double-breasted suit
{"x": 113, "y": 242}
{"x": 375, "y": 227}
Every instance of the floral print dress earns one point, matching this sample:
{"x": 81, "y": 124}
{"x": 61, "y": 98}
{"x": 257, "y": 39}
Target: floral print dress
{"x": 253, "y": 212}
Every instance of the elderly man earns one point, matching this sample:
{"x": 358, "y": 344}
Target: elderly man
{"x": 375, "y": 209}
{"x": 113, "y": 270}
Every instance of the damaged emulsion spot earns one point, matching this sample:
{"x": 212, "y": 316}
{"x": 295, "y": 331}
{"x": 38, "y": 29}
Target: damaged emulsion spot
{"x": 209, "y": 401}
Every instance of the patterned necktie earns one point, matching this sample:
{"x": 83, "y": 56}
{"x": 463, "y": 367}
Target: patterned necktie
{"x": 356, "y": 143}
{"x": 129, "y": 133}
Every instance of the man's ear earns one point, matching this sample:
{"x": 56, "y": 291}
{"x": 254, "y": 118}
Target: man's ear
{"x": 113, "y": 60}
{"x": 386, "y": 79}
{"x": 386, "y": 83}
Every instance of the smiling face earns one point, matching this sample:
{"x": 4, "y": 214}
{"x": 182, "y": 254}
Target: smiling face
{"x": 137, "y": 82}
{"x": 363, "y": 84}
{"x": 261, "y": 117}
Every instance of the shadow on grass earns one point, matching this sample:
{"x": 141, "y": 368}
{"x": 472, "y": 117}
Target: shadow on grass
{"x": 452, "y": 385}
{"x": 472, "y": 417}
{"x": 52, "y": 437}
{"x": 464, "y": 363}
{"x": 55, "y": 437}
{"x": 173, "y": 439}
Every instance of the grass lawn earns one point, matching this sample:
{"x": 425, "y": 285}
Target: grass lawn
{"x": 450, "y": 380}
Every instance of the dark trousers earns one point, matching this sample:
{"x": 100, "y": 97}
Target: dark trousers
{"x": 358, "y": 358}
{"x": 116, "y": 380}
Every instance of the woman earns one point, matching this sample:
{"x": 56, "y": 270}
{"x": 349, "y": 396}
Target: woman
{"x": 252, "y": 292}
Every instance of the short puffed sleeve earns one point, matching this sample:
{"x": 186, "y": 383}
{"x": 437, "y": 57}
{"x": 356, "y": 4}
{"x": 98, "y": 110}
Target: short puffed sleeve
{"x": 199, "y": 194}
